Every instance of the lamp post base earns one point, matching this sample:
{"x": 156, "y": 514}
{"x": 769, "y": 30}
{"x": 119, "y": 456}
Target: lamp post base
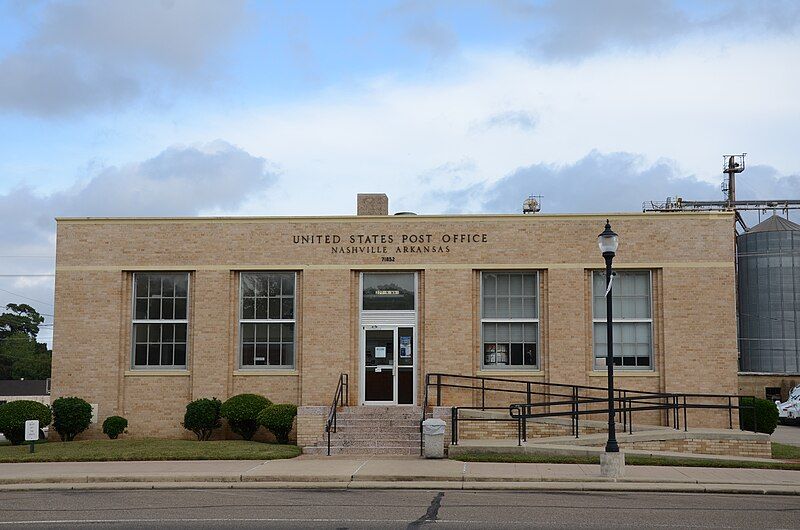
{"x": 612, "y": 465}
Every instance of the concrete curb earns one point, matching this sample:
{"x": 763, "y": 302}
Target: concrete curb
{"x": 356, "y": 481}
{"x": 560, "y": 485}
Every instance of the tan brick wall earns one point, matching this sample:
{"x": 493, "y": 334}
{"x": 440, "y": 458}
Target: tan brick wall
{"x": 756, "y": 384}
{"x": 690, "y": 256}
{"x": 87, "y": 312}
{"x": 707, "y": 447}
{"x": 212, "y": 325}
{"x": 700, "y": 337}
{"x": 278, "y": 388}
{"x": 448, "y": 330}
{"x": 154, "y": 406}
{"x": 507, "y": 430}
{"x": 310, "y": 425}
{"x": 326, "y": 341}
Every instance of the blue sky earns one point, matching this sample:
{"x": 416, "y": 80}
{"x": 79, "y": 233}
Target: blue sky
{"x": 141, "y": 108}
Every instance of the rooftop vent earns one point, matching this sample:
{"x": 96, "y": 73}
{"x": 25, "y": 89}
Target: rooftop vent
{"x": 532, "y": 204}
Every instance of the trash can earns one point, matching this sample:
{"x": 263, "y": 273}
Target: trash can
{"x": 433, "y": 437}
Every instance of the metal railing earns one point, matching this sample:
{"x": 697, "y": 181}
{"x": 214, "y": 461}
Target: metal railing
{"x": 340, "y": 397}
{"x": 548, "y": 400}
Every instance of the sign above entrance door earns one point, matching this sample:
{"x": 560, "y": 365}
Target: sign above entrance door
{"x": 396, "y": 243}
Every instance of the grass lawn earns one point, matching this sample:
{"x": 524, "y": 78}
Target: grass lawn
{"x": 782, "y": 451}
{"x": 146, "y": 449}
{"x": 785, "y": 452}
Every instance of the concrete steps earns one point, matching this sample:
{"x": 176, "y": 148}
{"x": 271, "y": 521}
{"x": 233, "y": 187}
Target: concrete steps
{"x": 383, "y": 430}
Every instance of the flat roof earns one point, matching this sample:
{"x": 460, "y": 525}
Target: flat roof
{"x": 19, "y": 387}
{"x": 386, "y": 218}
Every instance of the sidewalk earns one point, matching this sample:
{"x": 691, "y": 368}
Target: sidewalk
{"x": 383, "y": 472}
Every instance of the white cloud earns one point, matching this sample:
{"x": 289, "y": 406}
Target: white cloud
{"x": 608, "y": 182}
{"x": 94, "y": 54}
{"x": 692, "y": 104}
{"x": 571, "y": 30}
{"x": 181, "y": 180}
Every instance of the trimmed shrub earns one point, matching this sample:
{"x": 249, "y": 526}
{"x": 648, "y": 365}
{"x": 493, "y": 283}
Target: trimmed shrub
{"x": 14, "y": 414}
{"x": 278, "y": 420}
{"x": 71, "y": 416}
{"x": 766, "y": 415}
{"x": 202, "y": 417}
{"x": 242, "y": 413}
{"x": 114, "y": 426}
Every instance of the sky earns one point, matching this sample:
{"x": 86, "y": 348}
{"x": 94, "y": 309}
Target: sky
{"x": 230, "y": 107}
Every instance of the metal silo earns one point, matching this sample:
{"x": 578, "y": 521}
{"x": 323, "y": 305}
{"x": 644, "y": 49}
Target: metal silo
{"x": 769, "y": 297}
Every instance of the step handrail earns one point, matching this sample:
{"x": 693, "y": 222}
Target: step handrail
{"x": 340, "y": 397}
{"x": 565, "y": 394}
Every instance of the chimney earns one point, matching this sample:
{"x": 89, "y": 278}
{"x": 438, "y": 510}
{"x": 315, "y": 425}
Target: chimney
{"x": 372, "y": 204}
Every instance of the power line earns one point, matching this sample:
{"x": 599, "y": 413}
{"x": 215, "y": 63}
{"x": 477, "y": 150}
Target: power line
{"x": 24, "y": 275}
{"x": 28, "y": 298}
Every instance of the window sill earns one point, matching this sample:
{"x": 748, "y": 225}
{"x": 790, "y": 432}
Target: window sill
{"x": 495, "y": 373}
{"x": 625, "y": 373}
{"x": 272, "y": 372}
{"x": 157, "y": 373}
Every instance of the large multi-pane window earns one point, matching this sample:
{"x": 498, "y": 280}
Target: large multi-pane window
{"x": 633, "y": 319}
{"x": 509, "y": 319}
{"x": 160, "y": 319}
{"x": 267, "y": 319}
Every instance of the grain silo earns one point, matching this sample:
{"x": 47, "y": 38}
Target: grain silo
{"x": 769, "y": 304}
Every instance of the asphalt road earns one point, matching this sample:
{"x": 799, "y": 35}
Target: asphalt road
{"x": 252, "y": 508}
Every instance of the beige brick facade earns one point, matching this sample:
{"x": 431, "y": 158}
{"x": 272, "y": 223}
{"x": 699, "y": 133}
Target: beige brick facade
{"x": 690, "y": 256}
{"x": 751, "y": 384}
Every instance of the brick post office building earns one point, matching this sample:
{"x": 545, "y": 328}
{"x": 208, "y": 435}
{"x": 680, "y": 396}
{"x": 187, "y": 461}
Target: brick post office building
{"x": 152, "y": 313}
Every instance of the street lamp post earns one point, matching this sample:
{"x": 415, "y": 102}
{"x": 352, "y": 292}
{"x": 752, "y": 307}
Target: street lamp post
{"x": 608, "y": 242}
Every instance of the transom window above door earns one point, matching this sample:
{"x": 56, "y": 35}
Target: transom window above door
{"x": 388, "y": 291}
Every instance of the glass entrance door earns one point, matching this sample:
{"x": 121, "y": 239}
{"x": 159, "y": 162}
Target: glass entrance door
{"x": 389, "y": 365}
{"x": 379, "y": 365}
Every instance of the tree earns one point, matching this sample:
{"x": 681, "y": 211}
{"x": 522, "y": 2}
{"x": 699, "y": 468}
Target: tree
{"x": 20, "y": 318}
{"x": 32, "y": 367}
{"x": 21, "y": 356}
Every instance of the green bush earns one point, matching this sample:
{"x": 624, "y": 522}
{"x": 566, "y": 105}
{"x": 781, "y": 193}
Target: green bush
{"x": 278, "y": 420}
{"x": 242, "y": 413}
{"x": 71, "y": 416}
{"x": 14, "y": 414}
{"x": 766, "y": 415}
{"x": 202, "y": 417}
{"x": 114, "y": 426}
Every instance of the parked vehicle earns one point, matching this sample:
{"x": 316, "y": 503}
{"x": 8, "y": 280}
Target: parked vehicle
{"x": 789, "y": 410}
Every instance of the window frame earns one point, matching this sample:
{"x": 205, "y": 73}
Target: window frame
{"x": 241, "y": 321}
{"x": 134, "y": 321}
{"x": 601, "y": 367}
{"x": 537, "y": 367}
{"x": 415, "y": 292}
